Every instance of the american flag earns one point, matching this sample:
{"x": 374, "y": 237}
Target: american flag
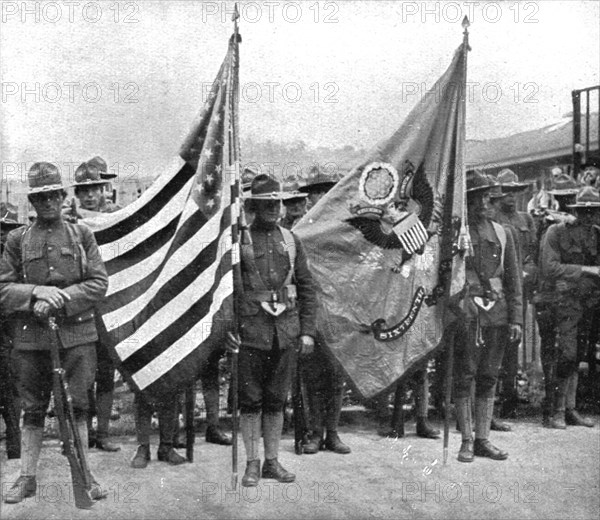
{"x": 170, "y": 254}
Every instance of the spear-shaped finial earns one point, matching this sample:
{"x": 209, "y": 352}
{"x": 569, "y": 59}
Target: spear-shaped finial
{"x": 465, "y": 25}
{"x": 236, "y": 13}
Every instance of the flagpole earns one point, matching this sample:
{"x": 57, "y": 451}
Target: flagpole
{"x": 450, "y": 354}
{"x": 237, "y": 274}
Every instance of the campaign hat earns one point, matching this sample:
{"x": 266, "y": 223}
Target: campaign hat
{"x": 292, "y": 187}
{"x": 509, "y": 181}
{"x": 44, "y": 177}
{"x": 587, "y": 197}
{"x": 88, "y": 174}
{"x": 102, "y": 167}
{"x": 477, "y": 181}
{"x": 265, "y": 187}
{"x": 564, "y": 185}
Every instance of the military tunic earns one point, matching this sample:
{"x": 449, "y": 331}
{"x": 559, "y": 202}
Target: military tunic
{"x": 565, "y": 248}
{"x": 269, "y": 343}
{"x": 63, "y": 255}
{"x": 493, "y": 275}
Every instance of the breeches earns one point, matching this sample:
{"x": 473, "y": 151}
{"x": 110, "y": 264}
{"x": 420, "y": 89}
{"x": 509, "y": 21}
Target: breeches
{"x": 34, "y": 379}
{"x": 265, "y": 377}
{"x": 478, "y": 363}
{"x": 568, "y": 314}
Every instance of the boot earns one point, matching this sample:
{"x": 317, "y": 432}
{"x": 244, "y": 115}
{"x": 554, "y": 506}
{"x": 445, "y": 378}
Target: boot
{"x": 426, "y": 430}
{"x": 31, "y": 446}
{"x": 273, "y": 469}
{"x": 333, "y": 443}
{"x": 313, "y": 443}
{"x": 141, "y": 457}
{"x": 104, "y": 402}
{"x": 484, "y": 410}
{"x": 166, "y": 453}
{"x": 499, "y": 426}
{"x": 250, "y": 426}
{"x": 463, "y": 417}
{"x": 215, "y": 435}
{"x": 557, "y": 421}
{"x": 167, "y": 423}
{"x": 23, "y": 488}
{"x": 252, "y": 474}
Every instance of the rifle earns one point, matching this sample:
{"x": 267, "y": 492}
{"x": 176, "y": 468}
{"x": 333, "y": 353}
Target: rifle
{"x": 72, "y": 447}
{"x": 190, "y": 433}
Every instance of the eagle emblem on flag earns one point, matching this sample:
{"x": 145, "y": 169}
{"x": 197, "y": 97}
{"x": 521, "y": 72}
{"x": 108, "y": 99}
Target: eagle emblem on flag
{"x": 397, "y": 208}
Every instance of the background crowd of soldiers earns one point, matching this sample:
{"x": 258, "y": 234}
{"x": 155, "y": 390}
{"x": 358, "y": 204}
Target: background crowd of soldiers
{"x": 548, "y": 257}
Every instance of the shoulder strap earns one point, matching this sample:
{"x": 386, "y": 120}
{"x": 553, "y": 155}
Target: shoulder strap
{"x": 290, "y": 246}
{"x": 24, "y": 244}
{"x": 501, "y": 234}
{"x": 76, "y": 237}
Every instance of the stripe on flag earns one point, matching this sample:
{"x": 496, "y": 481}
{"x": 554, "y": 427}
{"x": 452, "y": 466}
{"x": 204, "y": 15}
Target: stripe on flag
{"x": 169, "y": 254}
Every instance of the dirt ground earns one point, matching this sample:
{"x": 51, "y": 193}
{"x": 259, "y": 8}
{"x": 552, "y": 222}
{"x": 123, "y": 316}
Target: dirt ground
{"x": 550, "y": 474}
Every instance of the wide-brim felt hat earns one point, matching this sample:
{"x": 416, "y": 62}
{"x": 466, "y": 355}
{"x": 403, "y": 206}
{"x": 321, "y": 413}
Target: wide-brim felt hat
{"x": 266, "y": 188}
{"x": 587, "y": 197}
{"x": 44, "y": 177}
{"x": 292, "y": 187}
{"x": 564, "y": 185}
{"x": 477, "y": 181}
{"x": 509, "y": 181}
{"x": 102, "y": 167}
{"x": 88, "y": 174}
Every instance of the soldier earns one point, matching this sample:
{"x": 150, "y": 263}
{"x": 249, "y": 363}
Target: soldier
{"x": 9, "y": 399}
{"x": 318, "y": 185}
{"x": 570, "y": 259}
{"x": 210, "y": 390}
{"x": 496, "y": 198}
{"x": 167, "y": 411}
{"x": 507, "y": 214}
{"x": 89, "y": 191}
{"x": 107, "y": 201}
{"x": 320, "y": 371}
{"x": 277, "y": 317}
{"x": 50, "y": 267}
{"x": 564, "y": 192}
{"x": 295, "y": 206}
{"x": 493, "y": 314}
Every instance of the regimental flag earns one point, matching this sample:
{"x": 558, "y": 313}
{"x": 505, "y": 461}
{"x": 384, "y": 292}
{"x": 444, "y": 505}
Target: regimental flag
{"x": 169, "y": 255}
{"x": 384, "y": 245}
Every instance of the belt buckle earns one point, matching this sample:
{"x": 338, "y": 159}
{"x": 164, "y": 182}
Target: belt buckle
{"x": 274, "y": 307}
